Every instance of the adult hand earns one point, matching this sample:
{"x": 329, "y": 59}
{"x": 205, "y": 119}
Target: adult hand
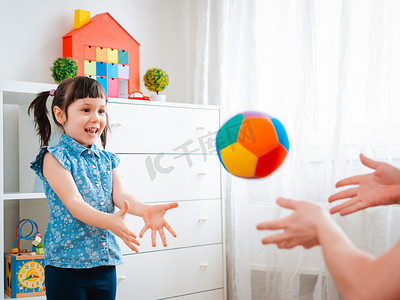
{"x": 381, "y": 187}
{"x": 299, "y": 229}
{"x": 153, "y": 217}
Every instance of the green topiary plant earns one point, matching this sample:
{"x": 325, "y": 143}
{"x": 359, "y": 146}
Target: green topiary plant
{"x": 156, "y": 80}
{"x": 63, "y": 68}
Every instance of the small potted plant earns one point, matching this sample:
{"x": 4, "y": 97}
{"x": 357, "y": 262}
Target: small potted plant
{"x": 63, "y": 68}
{"x": 156, "y": 80}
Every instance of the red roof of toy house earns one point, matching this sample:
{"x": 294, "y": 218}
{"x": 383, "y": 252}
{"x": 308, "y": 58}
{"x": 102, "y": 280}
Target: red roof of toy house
{"x": 101, "y": 32}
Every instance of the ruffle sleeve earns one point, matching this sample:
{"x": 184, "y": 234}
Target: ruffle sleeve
{"x": 59, "y": 154}
{"x": 114, "y": 160}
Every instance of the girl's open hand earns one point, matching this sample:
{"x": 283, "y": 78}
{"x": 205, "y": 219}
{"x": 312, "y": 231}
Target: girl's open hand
{"x": 153, "y": 217}
{"x": 119, "y": 227}
{"x": 381, "y": 187}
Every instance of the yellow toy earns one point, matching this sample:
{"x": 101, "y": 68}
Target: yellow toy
{"x": 24, "y": 275}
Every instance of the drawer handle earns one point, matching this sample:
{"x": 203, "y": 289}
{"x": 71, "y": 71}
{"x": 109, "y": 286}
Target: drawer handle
{"x": 200, "y": 128}
{"x": 201, "y": 174}
{"x": 203, "y": 219}
{"x": 204, "y": 265}
{"x": 116, "y": 124}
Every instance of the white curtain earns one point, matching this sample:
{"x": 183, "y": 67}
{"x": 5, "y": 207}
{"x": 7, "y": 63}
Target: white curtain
{"x": 330, "y": 72}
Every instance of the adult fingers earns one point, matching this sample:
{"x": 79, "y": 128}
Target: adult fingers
{"x": 273, "y": 225}
{"x": 369, "y": 162}
{"x": 344, "y": 205}
{"x": 287, "y": 244}
{"x": 274, "y": 239}
{"x": 287, "y": 203}
{"x": 348, "y": 181}
{"x": 354, "y": 208}
{"x": 349, "y": 193}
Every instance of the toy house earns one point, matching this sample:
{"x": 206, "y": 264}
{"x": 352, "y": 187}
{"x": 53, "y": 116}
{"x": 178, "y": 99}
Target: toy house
{"x": 106, "y": 51}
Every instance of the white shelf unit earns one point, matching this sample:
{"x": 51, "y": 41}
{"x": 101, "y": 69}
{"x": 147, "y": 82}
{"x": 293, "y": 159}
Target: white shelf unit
{"x": 15, "y": 96}
{"x": 148, "y": 136}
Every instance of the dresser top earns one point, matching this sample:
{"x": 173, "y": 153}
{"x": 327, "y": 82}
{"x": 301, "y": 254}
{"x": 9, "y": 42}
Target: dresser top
{"x": 15, "y": 91}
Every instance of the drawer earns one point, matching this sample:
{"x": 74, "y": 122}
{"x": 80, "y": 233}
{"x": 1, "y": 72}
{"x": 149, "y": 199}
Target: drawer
{"x": 154, "y": 178}
{"x": 161, "y": 129}
{"x": 195, "y": 223}
{"x": 170, "y": 273}
{"x": 210, "y": 295}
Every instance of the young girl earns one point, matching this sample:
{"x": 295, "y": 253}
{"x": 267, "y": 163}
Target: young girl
{"x": 82, "y": 184}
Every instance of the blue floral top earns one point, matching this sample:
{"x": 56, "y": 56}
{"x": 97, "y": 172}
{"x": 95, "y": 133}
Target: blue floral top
{"x": 68, "y": 242}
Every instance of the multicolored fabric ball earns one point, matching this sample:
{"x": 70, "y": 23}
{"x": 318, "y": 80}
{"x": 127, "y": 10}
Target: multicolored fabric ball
{"x": 252, "y": 144}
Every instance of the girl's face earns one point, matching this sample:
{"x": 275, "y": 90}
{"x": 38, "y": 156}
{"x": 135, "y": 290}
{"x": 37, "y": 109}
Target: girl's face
{"x": 86, "y": 120}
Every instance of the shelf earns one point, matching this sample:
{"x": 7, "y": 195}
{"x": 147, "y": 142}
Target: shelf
{"x": 22, "y": 196}
{"x": 25, "y": 87}
{"x": 20, "y": 92}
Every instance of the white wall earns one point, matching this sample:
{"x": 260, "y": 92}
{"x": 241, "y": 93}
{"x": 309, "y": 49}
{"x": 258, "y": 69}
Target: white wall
{"x": 31, "y": 37}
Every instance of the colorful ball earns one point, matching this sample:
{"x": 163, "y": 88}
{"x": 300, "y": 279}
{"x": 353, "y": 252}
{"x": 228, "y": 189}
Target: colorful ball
{"x": 252, "y": 145}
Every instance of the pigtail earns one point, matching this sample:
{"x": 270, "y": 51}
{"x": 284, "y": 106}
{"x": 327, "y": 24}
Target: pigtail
{"x": 42, "y": 122}
{"x": 103, "y": 136}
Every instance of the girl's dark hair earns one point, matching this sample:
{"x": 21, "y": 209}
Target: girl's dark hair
{"x": 68, "y": 91}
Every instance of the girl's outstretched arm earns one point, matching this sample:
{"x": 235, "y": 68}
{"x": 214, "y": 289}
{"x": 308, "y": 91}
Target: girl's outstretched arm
{"x": 153, "y": 215}
{"x": 63, "y": 184}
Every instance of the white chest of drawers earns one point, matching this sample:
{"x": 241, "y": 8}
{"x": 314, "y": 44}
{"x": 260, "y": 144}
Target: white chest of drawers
{"x": 167, "y": 153}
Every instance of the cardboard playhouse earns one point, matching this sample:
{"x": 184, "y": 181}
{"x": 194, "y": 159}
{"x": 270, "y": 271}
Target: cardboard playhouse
{"x": 105, "y": 51}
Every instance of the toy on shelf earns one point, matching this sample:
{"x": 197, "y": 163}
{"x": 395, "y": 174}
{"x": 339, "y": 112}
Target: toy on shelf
{"x": 138, "y": 96}
{"x": 156, "y": 80}
{"x": 105, "y": 51}
{"x": 24, "y": 275}
{"x": 252, "y": 145}
{"x": 24, "y": 271}
{"x": 63, "y": 68}
{"x": 33, "y": 235}
{"x": 37, "y": 245}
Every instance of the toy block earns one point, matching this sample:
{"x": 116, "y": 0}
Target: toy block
{"x": 123, "y": 57}
{"x": 123, "y": 71}
{"x": 89, "y": 67}
{"x": 112, "y": 87}
{"x": 89, "y": 52}
{"x": 101, "y": 54}
{"x": 37, "y": 241}
{"x": 112, "y": 56}
{"x": 82, "y": 17}
{"x": 112, "y": 70}
{"x": 123, "y": 89}
{"x": 103, "y": 82}
{"x": 24, "y": 275}
{"x": 101, "y": 69}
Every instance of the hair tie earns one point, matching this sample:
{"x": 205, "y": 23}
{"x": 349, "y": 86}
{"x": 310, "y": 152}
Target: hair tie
{"x": 52, "y": 92}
